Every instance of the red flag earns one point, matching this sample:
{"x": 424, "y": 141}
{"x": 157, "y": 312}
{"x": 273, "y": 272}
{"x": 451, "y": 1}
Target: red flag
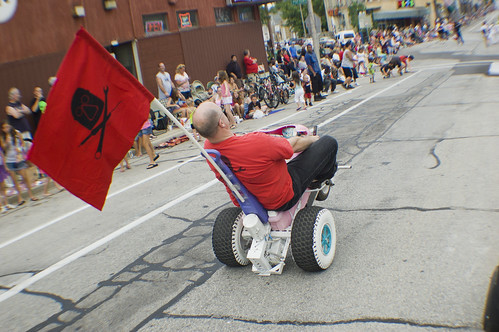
{"x": 94, "y": 111}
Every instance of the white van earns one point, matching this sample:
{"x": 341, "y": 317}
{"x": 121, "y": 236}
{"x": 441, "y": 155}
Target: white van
{"x": 344, "y": 36}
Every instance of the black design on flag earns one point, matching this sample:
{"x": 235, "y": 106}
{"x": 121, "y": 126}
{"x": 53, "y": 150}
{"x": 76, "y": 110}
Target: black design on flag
{"x": 87, "y": 109}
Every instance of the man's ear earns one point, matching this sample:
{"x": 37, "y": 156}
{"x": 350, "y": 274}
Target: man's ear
{"x": 221, "y": 123}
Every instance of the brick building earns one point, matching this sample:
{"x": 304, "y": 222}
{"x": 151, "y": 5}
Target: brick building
{"x": 202, "y": 34}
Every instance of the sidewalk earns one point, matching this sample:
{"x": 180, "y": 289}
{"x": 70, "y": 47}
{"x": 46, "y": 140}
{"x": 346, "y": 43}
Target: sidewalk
{"x": 38, "y": 183}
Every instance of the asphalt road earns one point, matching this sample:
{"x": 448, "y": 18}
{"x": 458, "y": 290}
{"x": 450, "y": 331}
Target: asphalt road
{"x": 416, "y": 217}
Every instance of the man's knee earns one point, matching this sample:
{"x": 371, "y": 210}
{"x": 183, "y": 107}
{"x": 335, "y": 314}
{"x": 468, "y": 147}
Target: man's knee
{"x": 330, "y": 143}
{"x": 326, "y": 147}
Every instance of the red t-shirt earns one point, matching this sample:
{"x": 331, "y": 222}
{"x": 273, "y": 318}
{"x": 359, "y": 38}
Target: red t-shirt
{"x": 258, "y": 161}
{"x": 251, "y": 68}
{"x": 403, "y": 58}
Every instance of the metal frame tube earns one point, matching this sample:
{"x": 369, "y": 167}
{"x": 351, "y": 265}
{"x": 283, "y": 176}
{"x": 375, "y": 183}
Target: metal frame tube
{"x": 155, "y": 105}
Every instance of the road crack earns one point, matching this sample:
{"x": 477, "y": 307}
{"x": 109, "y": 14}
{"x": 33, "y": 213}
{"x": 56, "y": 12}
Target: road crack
{"x": 416, "y": 208}
{"x": 397, "y": 321}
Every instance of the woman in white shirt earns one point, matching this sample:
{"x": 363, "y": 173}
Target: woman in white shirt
{"x": 182, "y": 81}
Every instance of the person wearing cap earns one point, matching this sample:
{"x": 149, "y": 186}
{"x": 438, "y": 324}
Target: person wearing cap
{"x": 314, "y": 70}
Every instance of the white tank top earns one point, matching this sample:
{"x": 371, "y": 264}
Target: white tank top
{"x": 346, "y": 62}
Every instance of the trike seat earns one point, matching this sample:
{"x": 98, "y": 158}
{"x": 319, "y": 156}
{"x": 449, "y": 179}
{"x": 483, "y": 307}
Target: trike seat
{"x": 279, "y": 220}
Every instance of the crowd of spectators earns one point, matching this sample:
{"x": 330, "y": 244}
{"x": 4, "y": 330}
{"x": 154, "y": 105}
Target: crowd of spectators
{"x": 339, "y": 64}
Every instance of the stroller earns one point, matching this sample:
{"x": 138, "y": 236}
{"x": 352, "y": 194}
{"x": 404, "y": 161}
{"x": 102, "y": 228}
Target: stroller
{"x": 198, "y": 92}
{"x": 159, "y": 119}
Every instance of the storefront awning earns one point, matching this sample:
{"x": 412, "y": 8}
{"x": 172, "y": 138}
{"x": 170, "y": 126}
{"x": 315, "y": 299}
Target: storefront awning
{"x": 371, "y": 10}
{"x": 400, "y": 14}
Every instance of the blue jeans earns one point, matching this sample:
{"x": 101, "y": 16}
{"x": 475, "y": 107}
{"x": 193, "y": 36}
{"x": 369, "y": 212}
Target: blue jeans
{"x": 318, "y": 163}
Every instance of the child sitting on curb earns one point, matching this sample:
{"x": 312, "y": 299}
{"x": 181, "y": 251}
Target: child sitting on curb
{"x": 255, "y": 109}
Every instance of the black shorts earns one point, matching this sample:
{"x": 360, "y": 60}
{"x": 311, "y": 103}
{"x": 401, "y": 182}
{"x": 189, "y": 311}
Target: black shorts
{"x": 395, "y": 62}
{"x": 347, "y": 71}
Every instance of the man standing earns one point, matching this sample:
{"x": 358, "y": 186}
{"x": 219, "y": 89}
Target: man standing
{"x": 38, "y": 104}
{"x": 263, "y": 171}
{"x": 233, "y": 69}
{"x": 164, "y": 82}
{"x": 314, "y": 70}
{"x": 457, "y": 30}
{"x": 16, "y": 112}
{"x": 251, "y": 65}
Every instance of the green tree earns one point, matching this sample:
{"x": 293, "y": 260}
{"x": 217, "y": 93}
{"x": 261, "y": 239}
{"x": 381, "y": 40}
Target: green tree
{"x": 353, "y": 11}
{"x": 292, "y": 17}
{"x": 264, "y": 14}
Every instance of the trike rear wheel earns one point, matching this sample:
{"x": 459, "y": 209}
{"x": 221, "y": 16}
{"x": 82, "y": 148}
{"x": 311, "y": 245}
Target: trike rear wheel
{"x": 313, "y": 239}
{"x": 228, "y": 245}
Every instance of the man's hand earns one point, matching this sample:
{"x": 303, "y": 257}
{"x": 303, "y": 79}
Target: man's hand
{"x": 301, "y": 143}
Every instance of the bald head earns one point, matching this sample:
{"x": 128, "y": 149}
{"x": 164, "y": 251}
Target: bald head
{"x": 206, "y": 119}
{"x": 14, "y": 94}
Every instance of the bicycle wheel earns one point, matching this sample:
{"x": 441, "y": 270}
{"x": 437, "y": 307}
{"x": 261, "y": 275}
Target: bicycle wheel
{"x": 284, "y": 94}
{"x": 270, "y": 99}
{"x": 261, "y": 92}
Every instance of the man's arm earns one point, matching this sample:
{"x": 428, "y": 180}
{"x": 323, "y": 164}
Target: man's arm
{"x": 34, "y": 107}
{"x": 349, "y": 55}
{"x": 301, "y": 143}
{"x": 160, "y": 85}
{"x": 17, "y": 113}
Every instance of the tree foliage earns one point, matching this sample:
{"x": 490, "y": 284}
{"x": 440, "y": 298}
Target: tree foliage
{"x": 290, "y": 14}
{"x": 264, "y": 14}
{"x": 353, "y": 11}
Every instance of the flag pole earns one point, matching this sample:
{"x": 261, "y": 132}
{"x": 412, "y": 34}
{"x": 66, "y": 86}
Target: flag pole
{"x": 156, "y": 104}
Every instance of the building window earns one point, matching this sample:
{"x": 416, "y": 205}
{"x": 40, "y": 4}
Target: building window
{"x": 223, "y": 15}
{"x": 245, "y": 14}
{"x": 155, "y": 24}
{"x": 187, "y": 19}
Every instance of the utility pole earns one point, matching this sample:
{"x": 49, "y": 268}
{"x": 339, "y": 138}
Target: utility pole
{"x": 315, "y": 40}
{"x": 303, "y": 22}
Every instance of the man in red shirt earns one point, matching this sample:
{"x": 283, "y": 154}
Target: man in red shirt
{"x": 251, "y": 66}
{"x": 259, "y": 160}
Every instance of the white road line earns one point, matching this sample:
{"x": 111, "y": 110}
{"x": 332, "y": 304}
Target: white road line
{"x": 69, "y": 214}
{"x": 78, "y": 210}
{"x": 453, "y": 64}
{"x": 310, "y": 108}
{"x": 42, "y": 274}
{"x": 365, "y": 101}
